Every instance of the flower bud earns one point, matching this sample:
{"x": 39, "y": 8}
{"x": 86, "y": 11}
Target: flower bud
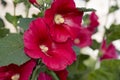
{"x": 34, "y": 2}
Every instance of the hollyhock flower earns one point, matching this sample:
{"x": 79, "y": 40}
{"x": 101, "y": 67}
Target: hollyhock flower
{"x": 34, "y": 2}
{"x": 93, "y": 22}
{"x": 44, "y": 76}
{"x": 108, "y": 52}
{"x": 63, "y": 19}
{"x": 15, "y": 72}
{"x": 62, "y": 74}
{"x": 83, "y": 39}
{"x": 38, "y": 44}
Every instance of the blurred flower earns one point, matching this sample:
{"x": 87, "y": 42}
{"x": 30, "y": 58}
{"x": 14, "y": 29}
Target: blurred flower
{"x": 15, "y": 72}
{"x": 44, "y": 76}
{"x": 34, "y": 2}
{"x": 38, "y": 44}
{"x": 83, "y": 38}
{"x": 93, "y": 22}
{"x": 62, "y": 74}
{"x": 63, "y": 19}
{"x": 108, "y": 52}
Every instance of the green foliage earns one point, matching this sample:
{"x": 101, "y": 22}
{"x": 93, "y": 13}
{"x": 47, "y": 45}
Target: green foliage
{"x": 11, "y": 50}
{"x": 113, "y": 33}
{"x": 86, "y": 9}
{"x": 95, "y": 45}
{"x": 78, "y": 70}
{"x": 86, "y": 19}
{"x": 3, "y": 32}
{"x": 12, "y": 19}
{"x": 24, "y": 22}
{"x": 109, "y": 70}
{"x": 113, "y": 8}
{"x": 1, "y": 23}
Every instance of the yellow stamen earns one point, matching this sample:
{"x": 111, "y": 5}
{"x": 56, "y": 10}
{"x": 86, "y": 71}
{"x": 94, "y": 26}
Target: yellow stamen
{"x": 15, "y": 77}
{"x": 43, "y": 48}
{"x": 59, "y": 19}
{"x": 76, "y": 41}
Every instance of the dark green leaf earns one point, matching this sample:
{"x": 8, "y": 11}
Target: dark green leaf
{"x": 4, "y": 3}
{"x": 77, "y": 50}
{"x": 113, "y": 8}
{"x": 1, "y": 23}
{"x": 87, "y": 0}
{"x": 3, "y": 32}
{"x": 109, "y": 70}
{"x": 11, "y": 50}
{"x": 12, "y": 19}
{"x": 95, "y": 45}
{"x": 86, "y": 9}
{"x": 78, "y": 69}
{"x": 24, "y": 22}
{"x": 113, "y": 33}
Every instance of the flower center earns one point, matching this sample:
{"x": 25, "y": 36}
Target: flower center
{"x": 15, "y": 77}
{"x": 76, "y": 41}
{"x": 58, "y": 19}
{"x": 43, "y": 48}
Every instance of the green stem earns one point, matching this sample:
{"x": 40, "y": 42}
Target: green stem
{"x": 36, "y": 71}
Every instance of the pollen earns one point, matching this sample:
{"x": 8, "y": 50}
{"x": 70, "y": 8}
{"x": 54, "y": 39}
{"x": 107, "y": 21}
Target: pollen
{"x": 15, "y": 77}
{"x": 44, "y": 48}
{"x": 76, "y": 41}
{"x": 59, "y": 19}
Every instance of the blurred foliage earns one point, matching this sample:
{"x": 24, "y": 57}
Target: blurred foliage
{"x": 109, "y": 70}
{"x": 113, "y": 33}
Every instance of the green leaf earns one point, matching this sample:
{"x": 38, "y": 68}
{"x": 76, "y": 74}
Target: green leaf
{"x": 113, "y": 33}
{"x": 24, "y": 22}
{"x": 11, "y": 50}
{"x": 86, "y": 19}
{"x": 78, "y": 70}
{"x": 109, "y": 70}
{"x": 1, "y": 23}
{"x": 86, "y": 9}
{"x": 3, "y": 32}
{"x": 95, "y": 45}
{"x": 113, "y": 8}
{"x": 12, "y": 19}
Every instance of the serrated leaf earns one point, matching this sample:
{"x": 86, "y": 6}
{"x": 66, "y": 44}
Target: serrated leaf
{"x": 11, "y": 50}
{"x": 86, "y": 9}
{"x": 113, "y": 33}
{"x": 109, "y": 70}
{"x": 24, "y": 22}
{"x": 3, "y": 32}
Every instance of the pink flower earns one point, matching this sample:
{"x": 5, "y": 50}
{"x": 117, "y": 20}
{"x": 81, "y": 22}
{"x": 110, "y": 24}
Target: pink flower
{"x": 63, "y": 19}
{"x": 15, "y": 72}
{"x": 108, "y": 52}
{"x": 44, "y": 76}
{"x": 83, "y": 38}
{"x": 38, "y": 44}
{"x": 62, "y": 74}
{"x": 93, "y": 22}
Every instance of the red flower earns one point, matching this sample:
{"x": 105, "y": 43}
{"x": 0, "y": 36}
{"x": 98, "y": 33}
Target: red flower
{"x": 38, "y": 44}
{"x": 62, "y": 74}
{"x": 108, "y": 52}
{"x": 83, "y": 38}
{"x": 15, "y": 72}
{"x": 63, "y": 19}
{"x": 93, "y": 22}
{"x": 44, "y": 76}
{"x": 34, "y": 2}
